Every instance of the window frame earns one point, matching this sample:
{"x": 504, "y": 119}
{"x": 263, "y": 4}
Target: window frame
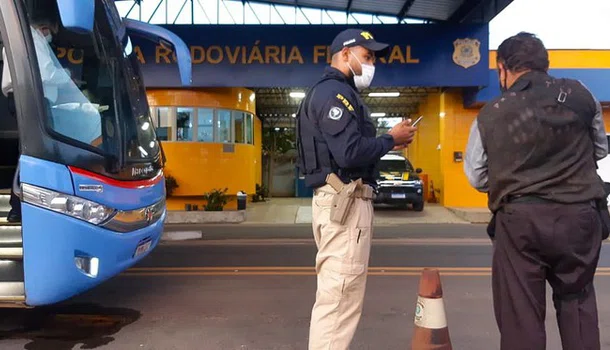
{"x": 248, "y": 121}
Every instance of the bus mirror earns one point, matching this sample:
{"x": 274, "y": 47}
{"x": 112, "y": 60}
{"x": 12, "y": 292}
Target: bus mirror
{"x": 165, "y": 37}
{"x": 77, "y": 15}
{"x": 418, "y": 170}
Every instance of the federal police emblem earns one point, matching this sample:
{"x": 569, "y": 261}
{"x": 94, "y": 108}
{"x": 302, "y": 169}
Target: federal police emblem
{"x": 335, "y": 113}
{"x": 466, "y": 52}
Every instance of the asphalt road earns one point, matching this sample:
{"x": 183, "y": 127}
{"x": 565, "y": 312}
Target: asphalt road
{"x": 303, "y": 231}
{"x": 258, "y": 295}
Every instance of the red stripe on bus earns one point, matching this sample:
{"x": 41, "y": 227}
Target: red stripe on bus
{"x": 118, "y": 183}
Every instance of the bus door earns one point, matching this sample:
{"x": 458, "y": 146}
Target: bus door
{"x": 82, "y": 142}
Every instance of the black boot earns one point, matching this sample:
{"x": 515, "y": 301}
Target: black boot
{"x": 13, "y": 216}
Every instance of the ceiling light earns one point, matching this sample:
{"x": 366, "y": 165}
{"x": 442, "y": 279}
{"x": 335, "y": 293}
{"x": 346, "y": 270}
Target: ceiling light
{"x": 297, "y": 94}
{"x": 384, "y": 94}
{"x": 377, "y": 115}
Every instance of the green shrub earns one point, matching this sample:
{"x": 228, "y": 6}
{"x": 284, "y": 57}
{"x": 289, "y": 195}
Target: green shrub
{"x": 216, "y": 199}
{"x": 170, "y": 185}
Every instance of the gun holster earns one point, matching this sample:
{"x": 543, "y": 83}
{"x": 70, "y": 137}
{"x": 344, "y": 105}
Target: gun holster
{"x": 344, "y": 199}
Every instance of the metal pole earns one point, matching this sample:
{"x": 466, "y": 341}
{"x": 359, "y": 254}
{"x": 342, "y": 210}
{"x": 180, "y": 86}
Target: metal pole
{"x": 254, "y": 12}
{"x": 304, "y": 15}
{"x": 228, "y": 11}
{"x": 131, "y": 8}
{"x": 155, "y": 11}
{"x": 204, "y": 12}
{"x": 180, "y": 11}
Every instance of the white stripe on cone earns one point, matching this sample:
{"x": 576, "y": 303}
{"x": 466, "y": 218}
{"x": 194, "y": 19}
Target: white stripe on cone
{"x": 430, "y": 313}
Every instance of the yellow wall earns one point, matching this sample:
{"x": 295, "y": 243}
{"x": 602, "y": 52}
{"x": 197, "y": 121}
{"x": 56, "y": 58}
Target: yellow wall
{"x": 571, "y": 59}
{"x": 451, "y": 130}
{"x": 457, "y": 122}
{"x": 258, "y": 150}
{"x": 199, "y": 167}
{"x": 446, "y": 125}
{"x": 423, "y": 151}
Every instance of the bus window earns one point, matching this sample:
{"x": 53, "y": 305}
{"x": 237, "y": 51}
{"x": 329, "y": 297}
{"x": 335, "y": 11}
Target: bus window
{"x": 73, "y": 80}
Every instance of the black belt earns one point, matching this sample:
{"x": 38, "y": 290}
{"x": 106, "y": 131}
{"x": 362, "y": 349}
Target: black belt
{"x": 537, "y": 200}
{"x": 527, "y": 199}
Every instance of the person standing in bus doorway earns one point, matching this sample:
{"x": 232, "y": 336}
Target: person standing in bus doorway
{"x": 42, "y": 34}
{"x": 338, "y": 152}
{"x": 534, "y": 151}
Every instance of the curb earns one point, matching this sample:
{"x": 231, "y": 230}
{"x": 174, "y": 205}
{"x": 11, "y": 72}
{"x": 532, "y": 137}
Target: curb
{"x": 205, "y": 217}
{"x": 181, "y": 235}
{"x": 471, "y": 216}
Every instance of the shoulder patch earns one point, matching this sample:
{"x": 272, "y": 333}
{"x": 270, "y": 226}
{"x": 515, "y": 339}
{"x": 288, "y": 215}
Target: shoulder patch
{"x": 345, "y": 102}
{"x": 335, "y": 113}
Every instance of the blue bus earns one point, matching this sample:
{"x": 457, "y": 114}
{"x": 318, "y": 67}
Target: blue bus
{"x": 78, "y": 148}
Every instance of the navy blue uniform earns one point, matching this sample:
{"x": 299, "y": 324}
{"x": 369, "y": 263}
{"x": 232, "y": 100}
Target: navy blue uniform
{"x": 336, "y": 133}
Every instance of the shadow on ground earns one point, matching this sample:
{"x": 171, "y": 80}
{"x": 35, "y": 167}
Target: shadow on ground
{"x": 63, "y": 327}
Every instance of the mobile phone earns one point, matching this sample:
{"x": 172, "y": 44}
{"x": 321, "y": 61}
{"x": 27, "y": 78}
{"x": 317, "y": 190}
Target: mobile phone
{"x": 417, "y": 121}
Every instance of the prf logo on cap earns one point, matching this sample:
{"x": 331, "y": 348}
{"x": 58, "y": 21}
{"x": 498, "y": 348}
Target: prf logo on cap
{"x": 367, "y": 35}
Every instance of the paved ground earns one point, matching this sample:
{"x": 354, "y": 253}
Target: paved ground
{"x": 298, "y": 211}
{"x": 303, "y": 231}
{"x": 229, "y": 294}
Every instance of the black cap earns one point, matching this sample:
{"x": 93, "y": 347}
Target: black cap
{"x": 358, "y": 37}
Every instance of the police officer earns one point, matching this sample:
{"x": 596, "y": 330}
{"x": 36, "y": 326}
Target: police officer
{"x": 534, "y": 151}
{"x": 338, "y": 153}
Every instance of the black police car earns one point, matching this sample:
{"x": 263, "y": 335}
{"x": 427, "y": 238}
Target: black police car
{"x": 398, "y": 183}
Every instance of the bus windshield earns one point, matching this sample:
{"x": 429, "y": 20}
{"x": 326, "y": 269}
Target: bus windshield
{"x": 94, "y": 89}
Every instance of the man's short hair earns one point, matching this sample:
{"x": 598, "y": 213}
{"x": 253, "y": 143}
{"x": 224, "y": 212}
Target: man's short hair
{"x": 43, "y": 21}
{"x": 522, "y": 52}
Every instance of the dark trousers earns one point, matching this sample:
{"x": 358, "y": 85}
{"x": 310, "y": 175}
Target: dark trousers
{"x": 15, "y": 202}
{"x": 541, "y": 242}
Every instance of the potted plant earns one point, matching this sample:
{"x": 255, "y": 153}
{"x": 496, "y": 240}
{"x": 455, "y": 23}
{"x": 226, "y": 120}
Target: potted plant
{"x": 216, "y": 199}
{"x": 170, "y": 185}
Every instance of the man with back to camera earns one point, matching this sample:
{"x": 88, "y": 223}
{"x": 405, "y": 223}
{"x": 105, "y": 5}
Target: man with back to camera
{"x": 338, "y": 152}
{"x": 534, "y": 151}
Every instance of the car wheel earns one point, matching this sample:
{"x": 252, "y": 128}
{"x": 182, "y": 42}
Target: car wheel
{"x": 418, "y": 206}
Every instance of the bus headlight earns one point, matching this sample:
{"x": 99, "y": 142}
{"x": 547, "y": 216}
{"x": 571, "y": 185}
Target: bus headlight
{"x": 76, "y": 207}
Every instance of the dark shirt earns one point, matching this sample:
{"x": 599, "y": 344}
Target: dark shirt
{"x": 347, "y": 128}
{"x": 524, "y": 143}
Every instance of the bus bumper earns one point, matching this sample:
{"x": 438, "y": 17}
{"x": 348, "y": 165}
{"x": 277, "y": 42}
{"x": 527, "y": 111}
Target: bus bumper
{"x": 64, "y": 256}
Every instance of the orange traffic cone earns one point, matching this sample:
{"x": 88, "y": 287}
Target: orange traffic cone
{"x": 431, "y": 332}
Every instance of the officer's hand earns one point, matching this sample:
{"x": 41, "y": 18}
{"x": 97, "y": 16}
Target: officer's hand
{"x": 403, "y": 134}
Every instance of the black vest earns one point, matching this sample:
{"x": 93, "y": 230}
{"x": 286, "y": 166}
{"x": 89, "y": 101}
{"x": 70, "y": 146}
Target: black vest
{"x": 315, "y": 161}
{"x": 538, "y": 140}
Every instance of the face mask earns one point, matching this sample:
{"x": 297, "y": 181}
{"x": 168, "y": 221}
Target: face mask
{"x": 368, "y": 72}
{"x": 49, "y": 37}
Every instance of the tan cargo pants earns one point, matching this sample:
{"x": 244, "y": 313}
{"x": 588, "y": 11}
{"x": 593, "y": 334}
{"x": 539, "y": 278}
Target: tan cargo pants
{"x": 341, "y": 265}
